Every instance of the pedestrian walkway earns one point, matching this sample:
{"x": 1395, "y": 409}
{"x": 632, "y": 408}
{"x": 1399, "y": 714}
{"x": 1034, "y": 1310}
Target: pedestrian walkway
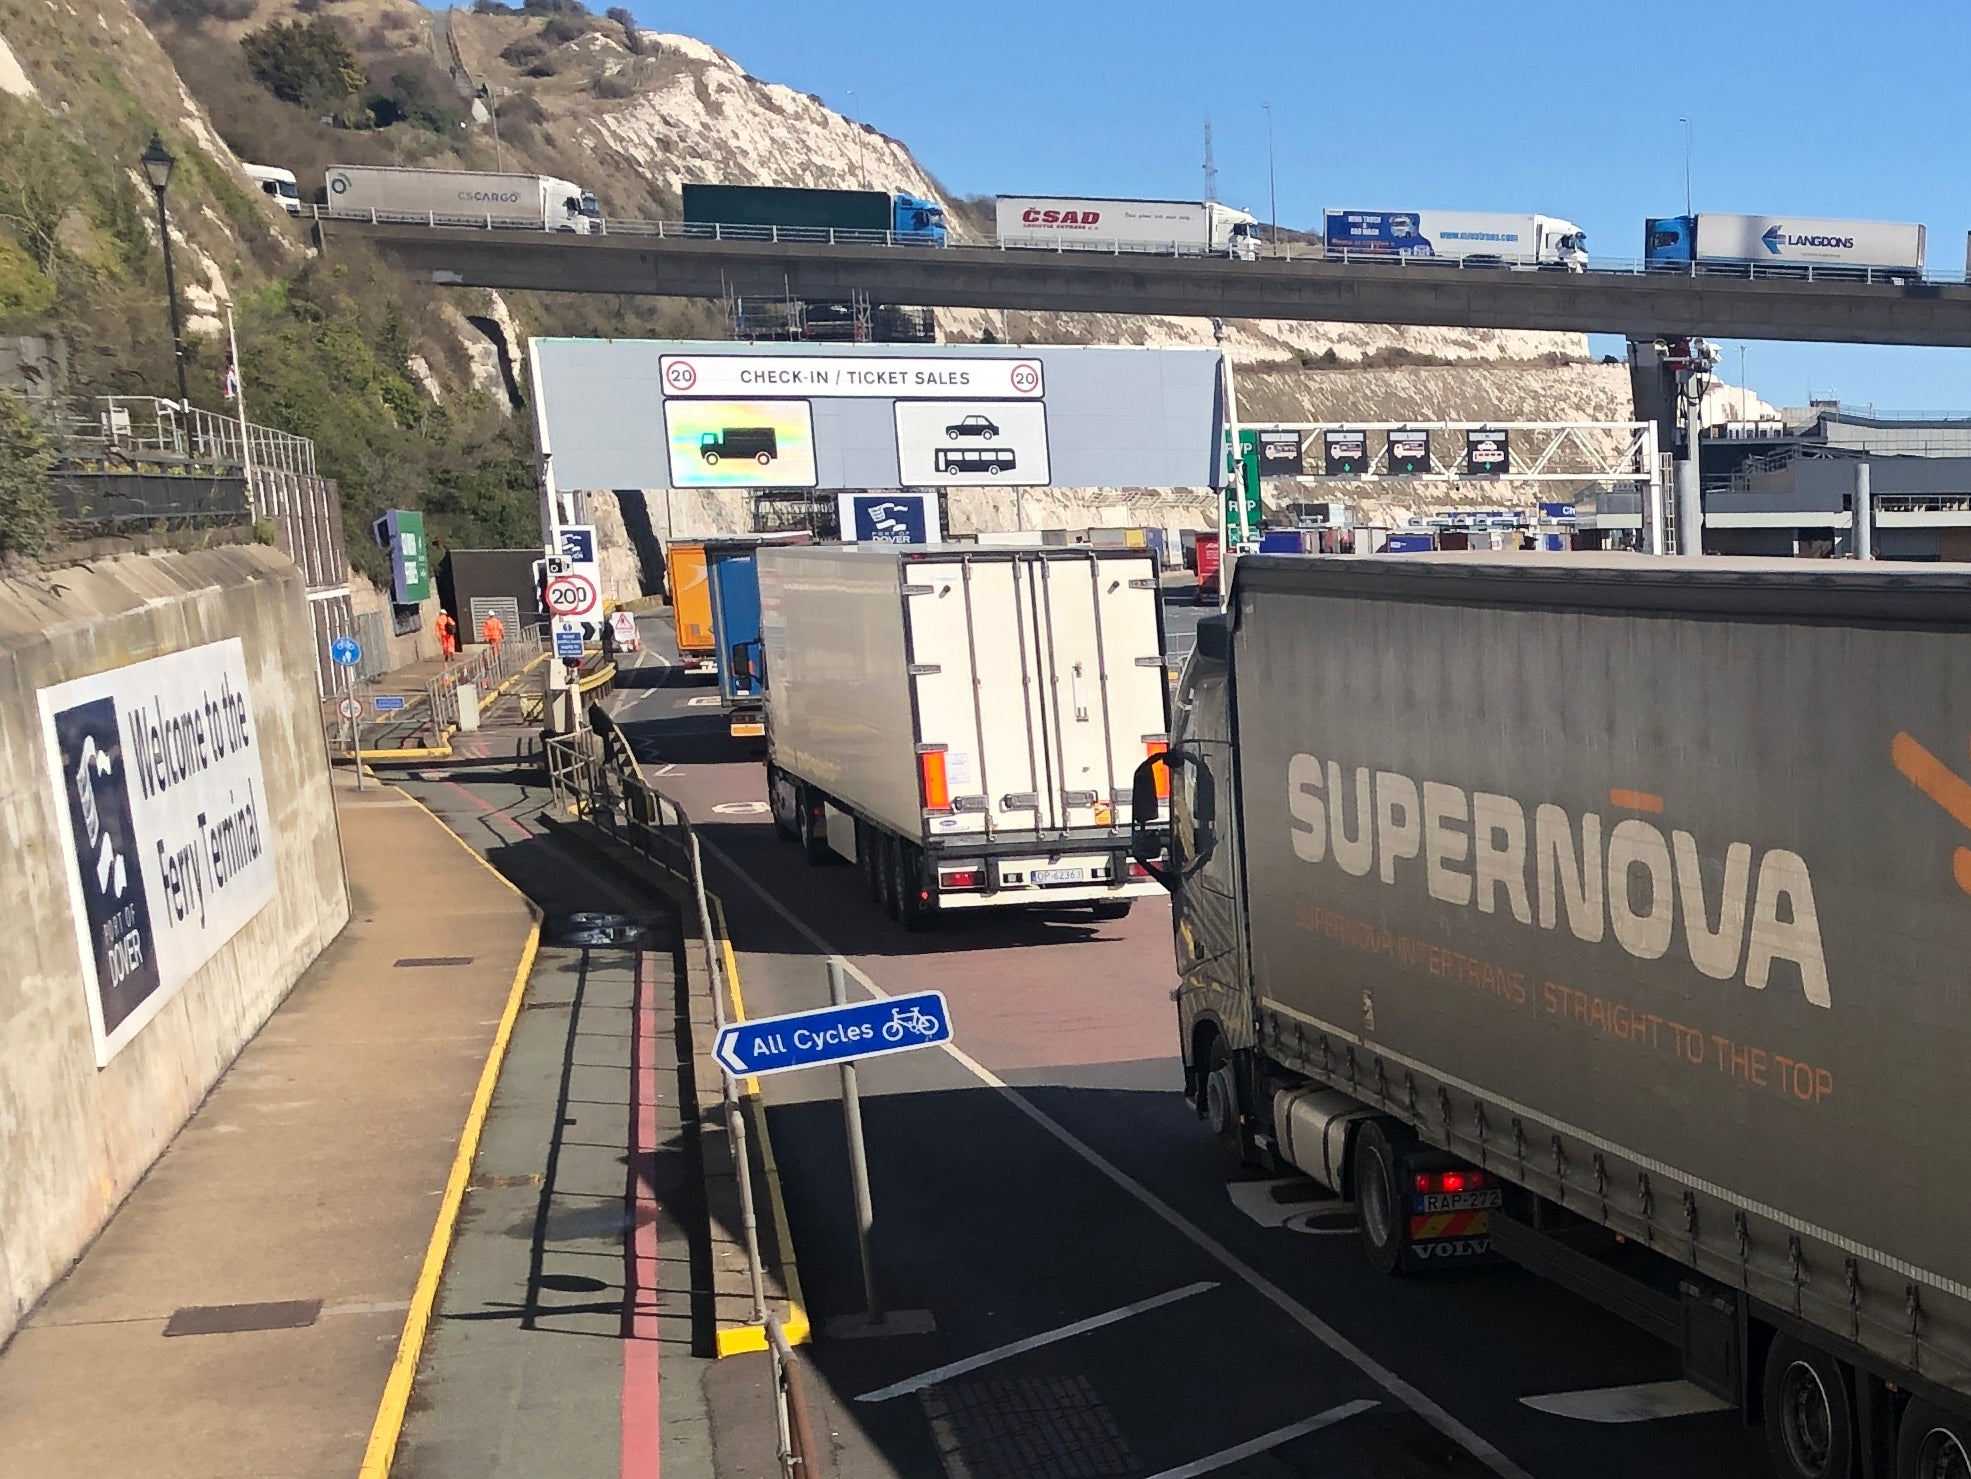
{"x": 241, "y": 1313}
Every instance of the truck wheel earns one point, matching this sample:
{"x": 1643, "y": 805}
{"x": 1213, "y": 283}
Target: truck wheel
{"x": 1932, "y": 1443}
{"x": 1810, "y": 1418}
{"x": 913, "y": 911}
{"x": 1380, "y": 1206}
{"x": 763, "y": 458}
{"x": 1222, "y": 1109}
{"x": 1112, "y": 909}
{"x": 814, "y": 834}
{"x": 783, "y": 826}
{"x": 711, "y": 458}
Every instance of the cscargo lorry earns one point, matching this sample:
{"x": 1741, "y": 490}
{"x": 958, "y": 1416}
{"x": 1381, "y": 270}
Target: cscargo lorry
{"x": 963, "y": 722}
{"x": 538, "y": 202}
{"x": 1783, "y": 246}
{"x": 1469, "y": 238}
{"x": 1609, "y": 915}
{"x": 759, "y": 212}
{"x": 691, "y": 606}
{"x": 1173, "y": 227}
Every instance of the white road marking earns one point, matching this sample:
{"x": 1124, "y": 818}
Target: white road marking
{"x": 664, "y": 770}
{"x": 1265, "y": 1441}
{"x": 1263, "y": 1203}
{"x": 1643, "y": 1402}
{"x": 703, "y": 701}
{"x": 1033, "y": 1343}
{"x": 1272, "y": 1293}
{"x": 741, "y": 808}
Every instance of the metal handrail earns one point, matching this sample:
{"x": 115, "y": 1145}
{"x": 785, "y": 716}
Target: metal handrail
{"x": 1286, "y": 251}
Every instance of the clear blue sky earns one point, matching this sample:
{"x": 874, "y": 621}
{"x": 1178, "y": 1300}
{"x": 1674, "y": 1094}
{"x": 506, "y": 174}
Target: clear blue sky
{"x": 1808, "y": 108}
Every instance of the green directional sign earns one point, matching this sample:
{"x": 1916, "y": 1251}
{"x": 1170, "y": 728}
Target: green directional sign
{"x": 1243, "y": 512}
{"x": 410, "y": 556}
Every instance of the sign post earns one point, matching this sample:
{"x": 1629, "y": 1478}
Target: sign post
{"x": 842, "y": 1033}
{"x": 346, "y": 652}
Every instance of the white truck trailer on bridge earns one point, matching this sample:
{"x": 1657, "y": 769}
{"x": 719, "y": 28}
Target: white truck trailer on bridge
{"x": 963, "y": 722}
{"x": 1178, "y": 227}
{"x": 1480, "y": 238}
{"x": 540, "y": 202}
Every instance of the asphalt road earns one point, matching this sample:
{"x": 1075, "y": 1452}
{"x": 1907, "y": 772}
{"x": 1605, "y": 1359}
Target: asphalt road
{"x": 1042, "y": 1185}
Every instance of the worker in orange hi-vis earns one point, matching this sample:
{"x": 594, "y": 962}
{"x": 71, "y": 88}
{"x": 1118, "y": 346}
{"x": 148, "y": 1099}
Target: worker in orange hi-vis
{"x": 492, "y": 632}
{"x": 448, "y": 635}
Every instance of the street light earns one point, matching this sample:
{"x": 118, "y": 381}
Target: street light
{"x": 1686, "y": 123}
{"x": 158, "y": 162}
{"x": 1272, "y": 196}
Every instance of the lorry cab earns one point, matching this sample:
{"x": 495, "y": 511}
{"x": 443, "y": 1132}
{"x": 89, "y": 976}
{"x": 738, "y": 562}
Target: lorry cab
{"x": 1564, "y": 245}
{"x": 279, "y": 185}
{"x": 756, "y": 442}
{"x": 918, "y": 221}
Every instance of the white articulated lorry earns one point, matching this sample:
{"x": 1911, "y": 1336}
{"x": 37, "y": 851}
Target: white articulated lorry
{"x": 1471, "y": 238}
{"x": 540, "y": 202}
{"x": 963, "y": 722}
{"x": 1174, "y": 227}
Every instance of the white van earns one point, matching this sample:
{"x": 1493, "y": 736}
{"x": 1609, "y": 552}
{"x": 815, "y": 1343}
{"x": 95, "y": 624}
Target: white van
{"x": 278, "y": 183}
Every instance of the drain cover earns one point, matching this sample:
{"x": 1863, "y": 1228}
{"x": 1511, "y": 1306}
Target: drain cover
{"x": 1026, "y": 1429}
{"x": 411, "y": 960}
{"x": 231, "y": 1319}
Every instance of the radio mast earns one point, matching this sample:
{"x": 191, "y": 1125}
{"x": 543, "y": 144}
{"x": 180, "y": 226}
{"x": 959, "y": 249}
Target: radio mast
{"x": 1210, "y": 167}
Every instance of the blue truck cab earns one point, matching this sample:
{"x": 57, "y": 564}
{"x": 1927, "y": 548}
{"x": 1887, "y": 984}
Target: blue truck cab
{"x": 732, "y": 574}
{"x": 1669, "y": 242}
{"x": 918, "y": 222}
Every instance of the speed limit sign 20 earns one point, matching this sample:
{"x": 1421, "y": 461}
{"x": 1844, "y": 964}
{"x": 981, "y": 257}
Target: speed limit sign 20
{"x": 571, "y": 594}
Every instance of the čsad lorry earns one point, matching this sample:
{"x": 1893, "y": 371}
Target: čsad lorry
{"x": 539, "y": 202}
{"x": 1783, "y": 246}
{"x": 1181, "y": 227}
{"x": 1472, "y": 238}
{"x": 758, "y": 212}
{"x": 963, "y": 722}
{"x": 1611, "y": 915}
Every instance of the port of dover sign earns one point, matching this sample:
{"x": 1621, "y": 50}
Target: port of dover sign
{"x": 169, "y": 852}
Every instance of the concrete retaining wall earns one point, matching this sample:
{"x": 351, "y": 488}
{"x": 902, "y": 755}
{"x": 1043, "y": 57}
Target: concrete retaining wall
{"x": 75, "y": 1138}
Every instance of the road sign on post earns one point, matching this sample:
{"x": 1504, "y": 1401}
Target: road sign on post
{"x": 863, "y": 1029}
{"x": 1243, "y": 514}
{"x": 346, "y": 652}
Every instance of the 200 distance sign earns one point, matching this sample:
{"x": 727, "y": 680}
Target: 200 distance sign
{"x": 571, "y": 594}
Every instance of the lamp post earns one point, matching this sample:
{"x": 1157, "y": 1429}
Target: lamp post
{"x": 1272, "y": 196}
{"x": 158, "y": 163}
{"x": 1686, "y": 123}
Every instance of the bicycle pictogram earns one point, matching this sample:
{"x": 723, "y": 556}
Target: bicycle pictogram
{"x": 912, "y": 1019}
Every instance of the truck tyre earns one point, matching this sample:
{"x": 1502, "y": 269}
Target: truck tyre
{"x": 886, "y": 859}
{"x": 1223, "y": 1110}
{"x": 711, "y": 458}
{"x": 1810, "y": 1416}
{"x": 1112, "y": 909}
{"x": 1381, "y": 1209}
{"x": 783, "y": 827}
{"x": 814, "y": 835}
{"x": 1932, "y": 1443}
{"x": 913, "y": 912}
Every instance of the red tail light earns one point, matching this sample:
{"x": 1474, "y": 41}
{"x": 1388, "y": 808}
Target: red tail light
{"x": 1137, "y": 870}
{"x": 1452, "y": 1181}
{"x": 959, "y": 878}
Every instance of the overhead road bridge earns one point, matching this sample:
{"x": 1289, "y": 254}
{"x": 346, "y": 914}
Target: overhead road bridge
{"x": 659, "y": 260}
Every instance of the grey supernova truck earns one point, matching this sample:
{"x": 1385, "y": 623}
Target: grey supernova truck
{"x": 1613, "y": 916}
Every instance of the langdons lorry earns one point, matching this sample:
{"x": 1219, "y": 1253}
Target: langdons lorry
{"x": 1783, "y": 246}
{"x": 963, "y": 722}
{"x": 1173, "y": 227}
{"x": 760, "y": 212}
{"x": 538, "y": 202}
{"x": 1611, "y": 915}
{"x": 1468, "y": 238}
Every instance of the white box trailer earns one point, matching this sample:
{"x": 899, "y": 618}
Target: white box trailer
{"x": 1181, "y": 227}
{"x": 963, "y": 722}
{"x": 1477, "y": 237}
{"x": 1769, "y": 241}
{"x": 538, "y": 201}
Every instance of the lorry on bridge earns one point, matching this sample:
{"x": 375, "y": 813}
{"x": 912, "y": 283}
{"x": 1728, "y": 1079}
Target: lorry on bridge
{"x": 1609, "y": 915}
{"x": 537, "y": 202}
{"x": 962, "y": 722}
{"x": 1468, "y": 238}
{"x": 1173, "y": 227}
{"x": 1783, "y": 246}
{"x": 773, "y": 212}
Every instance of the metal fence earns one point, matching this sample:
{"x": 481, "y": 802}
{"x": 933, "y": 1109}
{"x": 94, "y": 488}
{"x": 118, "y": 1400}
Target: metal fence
{"x": 595, "y": 776}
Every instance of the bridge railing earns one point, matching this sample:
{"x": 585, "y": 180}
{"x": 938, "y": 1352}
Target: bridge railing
{"x": 1285, "y": 251}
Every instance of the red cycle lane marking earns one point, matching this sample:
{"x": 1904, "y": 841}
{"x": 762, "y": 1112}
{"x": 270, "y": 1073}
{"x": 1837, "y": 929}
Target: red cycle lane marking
{"x": 642, "y": 1457}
